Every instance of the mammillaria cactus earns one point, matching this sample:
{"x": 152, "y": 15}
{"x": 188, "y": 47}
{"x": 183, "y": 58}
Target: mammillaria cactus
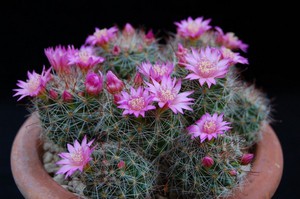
{"x": 172, "y": 120}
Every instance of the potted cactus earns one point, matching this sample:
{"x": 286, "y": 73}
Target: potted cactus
{"x": 127, "y": 117}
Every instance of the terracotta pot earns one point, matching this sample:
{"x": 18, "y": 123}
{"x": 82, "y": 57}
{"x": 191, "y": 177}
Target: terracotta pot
{"x": 34, "y": 182}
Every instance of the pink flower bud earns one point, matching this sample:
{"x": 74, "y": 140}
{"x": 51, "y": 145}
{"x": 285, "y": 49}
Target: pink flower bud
{"x": 181, "y": 53}
{"x": 207, "y": 161}
{"x": 113, "y": 84}
{"x": 128, "y": 30}
{"x": 121, "y": 164}
{"x": 93, "y": 83}
{"x": 149, "y": 37}
{"x": 138, "y": 80}
{"x": 53, "y": 94}
{"x": 247, "y": 158}
{"x": 116, "y": 50}
{"x": 117, "y": 98}
{"x": 67, "y": 97}
{"x": 232, "y": 172}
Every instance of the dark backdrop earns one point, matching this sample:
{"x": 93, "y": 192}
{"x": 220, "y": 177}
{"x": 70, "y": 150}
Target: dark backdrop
{"x": 27, "y": 28}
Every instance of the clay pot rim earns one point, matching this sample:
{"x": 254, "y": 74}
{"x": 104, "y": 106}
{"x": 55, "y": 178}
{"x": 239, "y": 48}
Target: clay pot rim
{"x": 35, "y": 183}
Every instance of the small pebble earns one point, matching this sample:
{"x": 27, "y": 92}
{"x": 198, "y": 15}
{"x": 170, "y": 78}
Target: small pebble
{"x": 60, "y": 179}
{"x": 47, "y": 157}
{"x": 50, "y": 167}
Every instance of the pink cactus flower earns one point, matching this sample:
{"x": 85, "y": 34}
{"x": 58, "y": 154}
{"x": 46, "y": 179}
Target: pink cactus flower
{"x": 156, "y": 71}
{"x": 229, "y": 40}
{"x": 102, "y": 37}
{"x": 206, "y": 65}
{"x": 93, "y": 83}
{"x": 85, "y": 59}
{"x": 34, "y": 85}
{"x": 207, "y": 162}
{"x": 128, "y": 30}
{"x": 233, "y": 172}
{"x": 67, "y": 96}
{"x": 208, "y": 127}
{"x": 137, "y": 102}
{"x": 78, "y": 157}
{"x": 247, "y": 158}
{"x": 113, "y": 84}
{"x": 192, "y": 29}
{"x": 181, "y": 53}
{"x": 59, "y": 58}
{"x": 166, "y": 93}
{"x": 232, "y": 57}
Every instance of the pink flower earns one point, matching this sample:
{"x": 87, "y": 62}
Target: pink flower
{"x": 206, "y": 65}
{"x": 34, "y": 85}
{"x": 207, "y": 161}
{"x": 247, "y": 158}
{"x": 93, "y": 83}
{"x": 157, "y": 70}
{"x": 232, "y": 57}
{"x": 229, "y": 40}
{"x": 137, "y": 102}
{"x": 233, "y": 172}
{"x": 166, "y": 93}
{"x": 102, "y": 37}
{"x": 59, "y": 58}
{"x": 208, "y": 127}
{"x": 181, "y": 53}
{"x": 113, "y": 84}
{"x": 192, "y": 29}
{"x": 128, "y": 30}
{"x": 77, "y": 158}
{"x": 85, "y": 59}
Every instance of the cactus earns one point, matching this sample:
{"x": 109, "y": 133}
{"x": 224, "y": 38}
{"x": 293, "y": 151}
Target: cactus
{"x": 172, "y": 120}
{"x": 118, "y": 172}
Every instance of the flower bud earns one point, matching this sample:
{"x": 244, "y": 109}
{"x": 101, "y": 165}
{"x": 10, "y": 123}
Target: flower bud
{"x": 138, "y": 80}
{"x": 67, "y": 97}
{"x": 121, "y": 164}
{"x": 116, "y": 50}
{"x": 113, "y": 84}
{"x": 53, "y": 94}
{"x": 93, "y": 83}
{"x": 207, "y": 161}
{"x": 149, "y": 37}
{"x": 128, "y": 30}
{"x": 232, "y": 172}
{"x": 247, "y": 158}
{"x": 117, "y": 97}
{"x": 181, "y": 53}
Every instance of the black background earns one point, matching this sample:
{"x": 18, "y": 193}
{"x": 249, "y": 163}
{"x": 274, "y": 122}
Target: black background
{"x": 27, "y": 28}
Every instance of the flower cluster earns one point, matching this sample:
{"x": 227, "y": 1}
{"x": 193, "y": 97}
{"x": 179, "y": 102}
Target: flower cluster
{"x": 121, "y": 86}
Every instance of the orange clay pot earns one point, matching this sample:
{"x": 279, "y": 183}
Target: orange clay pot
{"x": 35, "y": 183}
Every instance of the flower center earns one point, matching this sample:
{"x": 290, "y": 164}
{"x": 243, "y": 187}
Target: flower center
{"x": 167, "y": 95}
{"x": 210, "y": 127}
{"x": 159, "y": 70}
{"x": 193, "y": 27}
{"x": 77, "y": 156}
{"x": 101, "y": 33}
{"x": 84, "y": 55}
{"x": 137, "y": 103}
{"x": 34, "y": 83}
{"x": 205, "y": 67}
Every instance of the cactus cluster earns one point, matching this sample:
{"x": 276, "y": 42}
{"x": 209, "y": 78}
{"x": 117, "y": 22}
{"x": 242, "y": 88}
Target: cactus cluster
{"x": 172, "y": 120}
